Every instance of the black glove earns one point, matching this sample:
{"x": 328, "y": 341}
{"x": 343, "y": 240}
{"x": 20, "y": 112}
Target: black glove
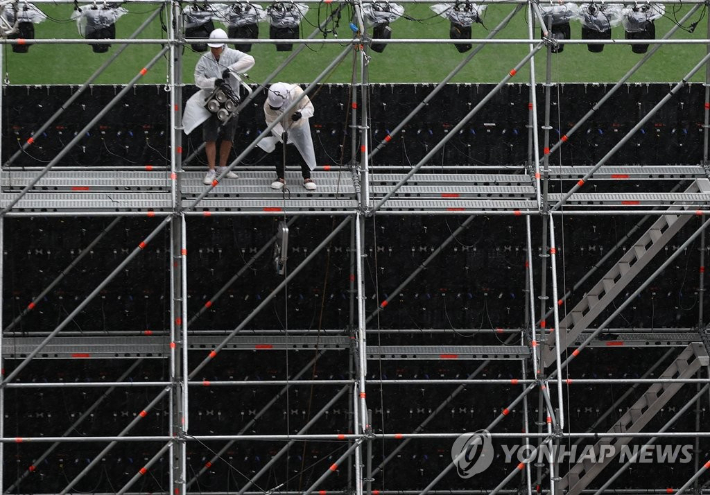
{"x": 225, "y": 74}
{"x": 218, "y": 82}
{"x": 296, "y": 116}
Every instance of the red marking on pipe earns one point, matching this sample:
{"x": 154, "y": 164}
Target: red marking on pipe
{"x": 575, "y": 352}
{"x": 499, "y": 330}
{"x": 530, "y": 106}
{"x": 31, "y": 305}
{"x": 454, "y": 209}
{"x": 353, "y": 105}
{"x": 449, "y": 195}
{"x": 514, "y": 381}
{"x": 263, "y": 346}
{"x": 569, "y": 381}
{"x": 631, "y": 203}
{"x": 147, "y": 332}
{"x": 334, "y": 467}
{"x": 383, "y": 304}
{"x": 564, "y": 138}
{"x": 707, "y": 465}
{"x": 534, "y": 343}
{"x": 702, "y": 269}
{"x": 553, "y": 250}
{"x": 21, "y": 41}
{"x": 178, "y": 321}
{"x": 341, "y": 437}
{"x": 549, "y": 420}
{"x": 527, "y": 264}
{"x": 580, "y": 182}
{"x": 206, "y": 383}
{"x": 32, "y": 468}
{"x": 517, "y": 213}
{"x": 272, "y": 208}
{"x": 512, "y": 72}
{"x": 144, "y": 71}
{"x": 208, "y": 304}
{"x": 212, "y": 354}
{"x": 537, "y": 175}
{"x": 31, "y": 140}
{"x": 81, "y": 355}
{"x": 143, "y": 413}
{"x": 448, "y": 356}
{"x": 707, "y": 106}
{"x": 183, "y": 251}
{"x": 398, "y": 436}
{"x": 542, "y": 387}
{"x": 362, "y": 395}
{"x": 543, "y": 324}
{"x": 214, "y": 183}
{"x": 699, "y": 213}
{"x": 179, "y": 149}
{"x": 506, "y": 411}
{"x": 142, "y": 245}
{"x": 143, "y": 471}
{"x": 363, "y": 149}
{"x": 176, "y": 107}
{"x": 619, "y": 176}
{"x": 172, "y": 345}
{"x": 352, "y": 277}
{"x": 375, "y": 492}
{"x": 207, "y": 213}
{"x": 19, "y": 439}
{"x": 388, "y": 138}
{"x": 559, "y": 303}
{"x": 173, "y": 176}
{"x": 151, "y": 213}
{"x": 322, "y": 492}
{"x": 669, "y": 490}
{"x": 326, "y": 167}
{"x": 546, "y": 150}
{"x": 521, "y": 466}
{"x": 614, "y": 343}
{"x": 79, "y": 188}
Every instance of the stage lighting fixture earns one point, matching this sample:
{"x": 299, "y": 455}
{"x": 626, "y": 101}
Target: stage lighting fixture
{"x": 557, "y": 19}
{"x": 198, "y": 24}
{"x": 242, "y": 22}
{"x": 462, "y": 16}
{"x": 380, "y": 15}
{"x": 284, "y": 20}
{"x": 223, "y": 102}
{"x": 639, "y": 23}
{"x": 98, "y": 23}
{"x": 18, "y": 23}
{"x": 597, "y": 21}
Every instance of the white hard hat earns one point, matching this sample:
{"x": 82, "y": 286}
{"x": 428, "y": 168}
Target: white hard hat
{"x": 217, "y": 34}
{"x": 278, "y": 93}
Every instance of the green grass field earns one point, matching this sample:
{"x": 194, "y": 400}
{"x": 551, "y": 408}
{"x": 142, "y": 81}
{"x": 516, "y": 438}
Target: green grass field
{"x": 403, "y": 63}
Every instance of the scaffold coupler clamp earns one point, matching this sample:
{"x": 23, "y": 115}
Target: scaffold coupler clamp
{"x": 550, "y": 41}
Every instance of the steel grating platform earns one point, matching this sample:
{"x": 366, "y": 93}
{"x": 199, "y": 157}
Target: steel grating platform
{"x": 653, "y": 172}
{"x": 124, "y": 191}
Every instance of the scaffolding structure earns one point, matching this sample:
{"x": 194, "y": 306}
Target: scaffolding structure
{"x": 362, "y": 192}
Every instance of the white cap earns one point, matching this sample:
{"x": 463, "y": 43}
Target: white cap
{"x": 217, "y": 34}
{"x": 278, "y": 93}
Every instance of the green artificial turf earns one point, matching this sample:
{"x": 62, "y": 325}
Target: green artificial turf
{"x": 399, "y": 63}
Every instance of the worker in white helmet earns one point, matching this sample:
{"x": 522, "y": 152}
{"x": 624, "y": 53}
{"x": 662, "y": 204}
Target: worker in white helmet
{"x": 219, "y": 66}
{"x": 295, "y": 126}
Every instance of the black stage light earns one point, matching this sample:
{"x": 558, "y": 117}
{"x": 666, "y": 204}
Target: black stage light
{"x": 19, "y": 24}
{"x": 98, "y": 23}
{"x": 639, "y": 24}
{"x": 284, "y": 20}
{"x": 380, "y": 15}
{"x": 198, "y": 25}
{"x": 557, "y": 19}
{"x": 242, "y": 22}
{"x": 462, "y": 14}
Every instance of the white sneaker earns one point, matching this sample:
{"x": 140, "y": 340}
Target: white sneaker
{"x": 278, "y": 184}
{"x": 209, "y": 178}
{"x": 230, "y": 174}
{"x": 309, "y": 184}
